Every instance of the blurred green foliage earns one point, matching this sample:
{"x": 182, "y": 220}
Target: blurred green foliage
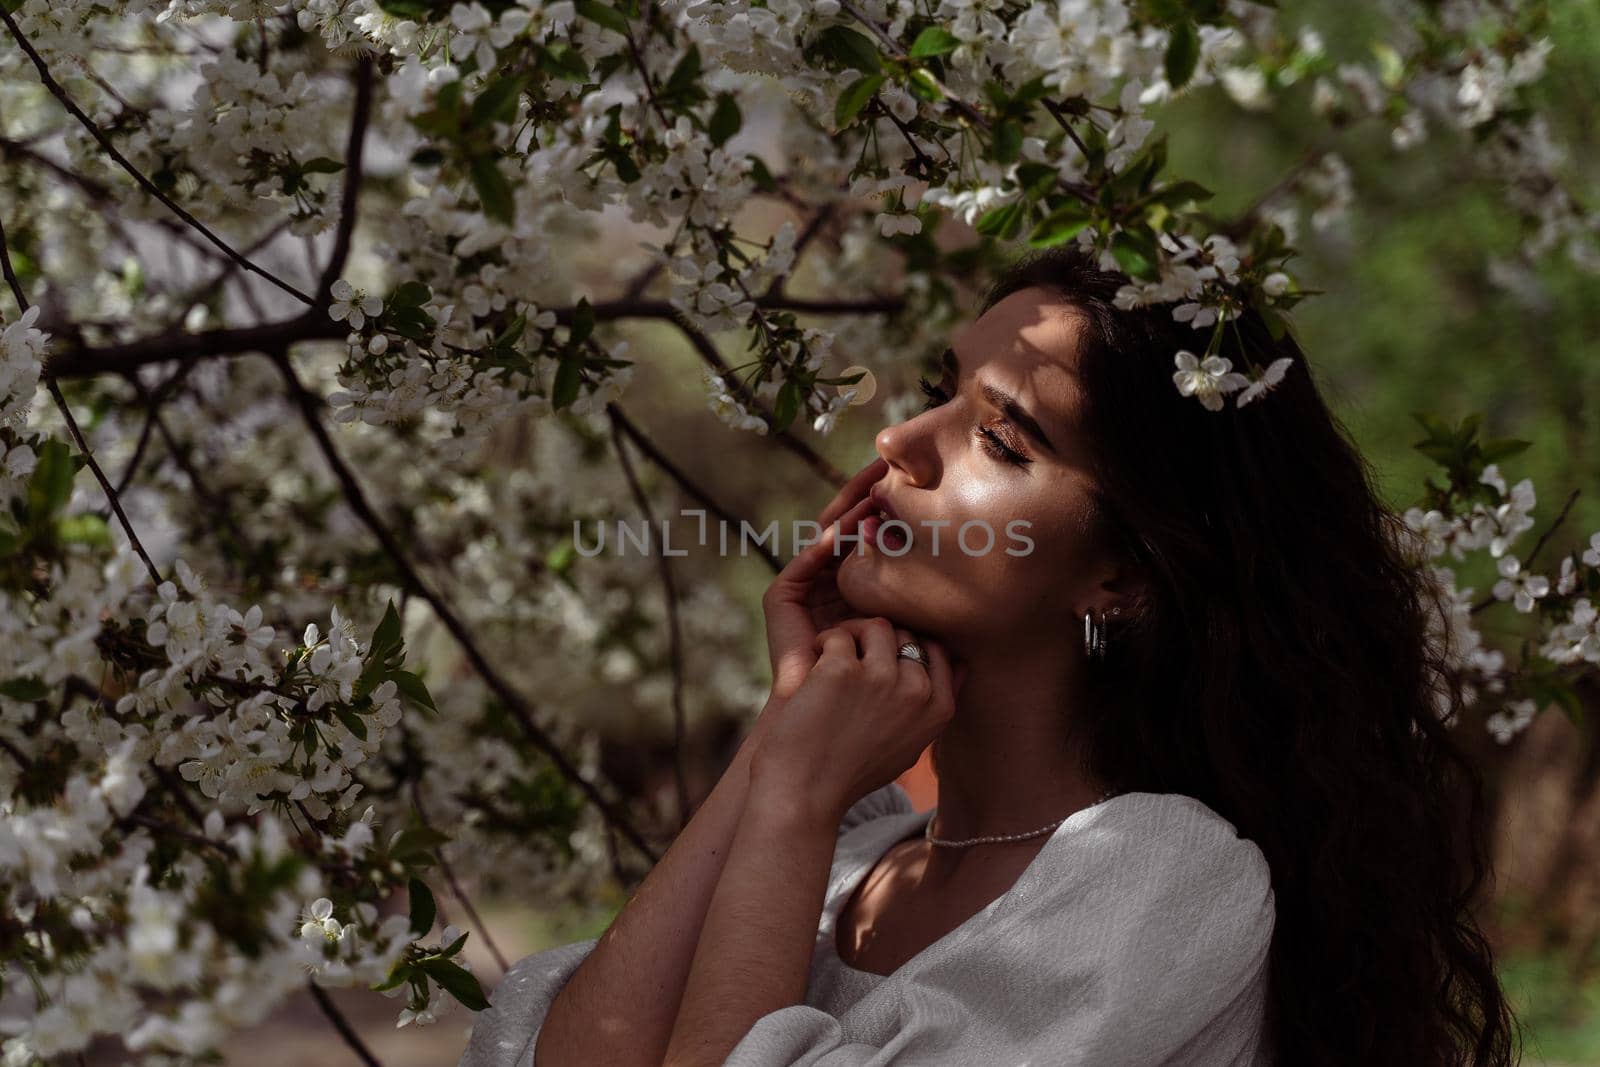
{"x": 1410, "y": 320}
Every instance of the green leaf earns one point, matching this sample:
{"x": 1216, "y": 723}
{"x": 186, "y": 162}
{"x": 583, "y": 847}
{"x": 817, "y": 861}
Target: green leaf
{"x": 1135, "y": 253}
{"x": 453, "y": 947}
{"x": 397, "y": 978}
{"x": 1181, "y": 193}
{"x": 855, "y": 97}
{"x": 604, "y": 14}
{"x": 627, "y": 169}
{"x": 50, "y": 485}
{"x": 1501, "y": 448}
{"x": 410, "y": 323}
{"x": 850, "y": 49}
{"x": 412, "y": 689}
{"x": 1276, "y": 323}
{"x": 416, "y": 841}
{"x": 1436, "y": 428}
{"x": 386, "y": 639}
{"x": 1007, "y": 141}
{"x": 934, "y": 41}
{"x": 924, "y": 86}
{"x": 26, "y": 689}
{"x": 410, "y": 295}
{"x": 457, "y": 982}
{"x": 1183, "y": 53}
{"x": 85, "y": 529}
{"x": 1036, "y": 179}
{"x": 1060, "y": 226}
{"x": 569, "y": 376}
{"x": 761, "y": 175}
{"x": 494, "y": 192}
{"x": 787, "y": 405}
{"x": 725, "y": 119}
{"x": 562, "y": 60}
{"x": 423, "y": 908}
{"x": 351, "y": 721}
{"x": 1003, "y": 221}
{"x": 512, "y": 333}
{"x": 497, "y": 102}
{"x": 582, "y": 321}
{"x": 686, "y": 75}
{"x": 321, "y": 165}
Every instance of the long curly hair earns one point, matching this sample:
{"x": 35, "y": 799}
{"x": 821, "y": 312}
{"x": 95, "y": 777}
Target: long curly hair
{"x": 1282, "y": 667}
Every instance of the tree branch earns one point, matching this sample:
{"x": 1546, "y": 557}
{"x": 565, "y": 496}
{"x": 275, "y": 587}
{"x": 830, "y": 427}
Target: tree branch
{"x": 144, "y": 183}
{"x": 649, "y": 448}
{"x": 514, "y": 702}
{"x": 341, "y": 1024}
{"x": 669, "y": 592}
{"x": 72, "y": 423}
{"x": 360, "y": 113}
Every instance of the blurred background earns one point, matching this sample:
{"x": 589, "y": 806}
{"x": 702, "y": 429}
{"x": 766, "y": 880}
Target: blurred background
{"x": 1411, "y": 320}
{"x": 1423, "y": 310}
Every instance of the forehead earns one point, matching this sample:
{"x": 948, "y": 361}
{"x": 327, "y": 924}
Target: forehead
{"x": 1027, "y": 343}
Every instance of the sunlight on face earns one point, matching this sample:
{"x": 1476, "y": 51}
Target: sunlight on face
{"x": 1000, "y": 449}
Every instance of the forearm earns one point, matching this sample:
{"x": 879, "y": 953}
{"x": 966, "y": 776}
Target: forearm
{"x": 754, "y": 955}
{"x": 619, "y": 1006}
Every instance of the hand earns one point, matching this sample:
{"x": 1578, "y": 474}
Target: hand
{"x": 860, "y": 719}
{"x": 804, "y": 598}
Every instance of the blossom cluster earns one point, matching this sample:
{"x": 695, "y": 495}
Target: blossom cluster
{"x": 222, "y": 772}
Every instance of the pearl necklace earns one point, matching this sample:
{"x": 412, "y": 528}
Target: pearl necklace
{"x": 927, "y": 830}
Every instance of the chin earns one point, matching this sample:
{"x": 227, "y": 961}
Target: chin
{"x": 871, "y": 586}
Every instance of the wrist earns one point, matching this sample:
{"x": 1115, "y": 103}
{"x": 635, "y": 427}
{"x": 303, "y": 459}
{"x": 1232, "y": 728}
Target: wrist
{"x": 796, "y": 801}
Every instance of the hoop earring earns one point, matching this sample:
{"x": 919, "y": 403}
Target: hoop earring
{"x": 1094, "y": 634}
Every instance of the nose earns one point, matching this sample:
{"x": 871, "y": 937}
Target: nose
{"x": 910, "y": 446}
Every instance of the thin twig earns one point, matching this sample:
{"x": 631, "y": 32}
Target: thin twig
{"x": 314, "y": 326}
{"x": 677, "y": 474}
{"x": 360, "y": 112}
{"x": 708, "y": 352}
{"x": 455, "y": 888}
{"x": 145, "y": 183}
{"x": 72, "y": 423}
{"x": 669, "y": 592}
{"x": 1491, "y": 600}
{"x": 514, "y": 702}
{"x": 341, "y": 1024}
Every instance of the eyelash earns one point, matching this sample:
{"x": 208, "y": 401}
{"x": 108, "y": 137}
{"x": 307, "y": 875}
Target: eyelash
{"x": 992, "y": 442}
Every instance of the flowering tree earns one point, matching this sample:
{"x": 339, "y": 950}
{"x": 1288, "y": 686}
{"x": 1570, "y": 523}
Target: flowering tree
{"x": 211, "y": 795}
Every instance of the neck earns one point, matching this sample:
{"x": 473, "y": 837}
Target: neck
{"x": 1007, "y": 763}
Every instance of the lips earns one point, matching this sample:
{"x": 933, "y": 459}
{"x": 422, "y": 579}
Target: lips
{"x": 894, "y": 537}
{"x": 882, "y": 503}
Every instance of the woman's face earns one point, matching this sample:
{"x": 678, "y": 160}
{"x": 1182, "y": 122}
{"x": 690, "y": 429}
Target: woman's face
{"x": 1016, "y": 479}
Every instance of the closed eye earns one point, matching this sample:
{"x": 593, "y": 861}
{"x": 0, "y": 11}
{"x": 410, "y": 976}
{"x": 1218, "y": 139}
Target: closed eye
{"x": 993, "y": 443}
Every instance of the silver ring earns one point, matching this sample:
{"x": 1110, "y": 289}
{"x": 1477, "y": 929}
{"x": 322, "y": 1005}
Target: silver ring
{"x": 913, "y": 651}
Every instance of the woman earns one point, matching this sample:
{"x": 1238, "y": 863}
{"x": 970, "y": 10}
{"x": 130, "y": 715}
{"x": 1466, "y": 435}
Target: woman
{"x": 1196, "y": 802}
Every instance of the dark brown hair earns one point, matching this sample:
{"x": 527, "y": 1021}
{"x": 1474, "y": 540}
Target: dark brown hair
{"x": 1280, "y": 669}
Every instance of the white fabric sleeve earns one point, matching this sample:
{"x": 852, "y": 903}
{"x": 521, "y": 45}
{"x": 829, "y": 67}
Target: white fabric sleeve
{"x": 1148, "y": 948}
{"x": 503, "y": 1035}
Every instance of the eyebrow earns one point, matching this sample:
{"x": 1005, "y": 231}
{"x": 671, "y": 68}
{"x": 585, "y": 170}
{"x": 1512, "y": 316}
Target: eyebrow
{"x": 1004, "y": 401}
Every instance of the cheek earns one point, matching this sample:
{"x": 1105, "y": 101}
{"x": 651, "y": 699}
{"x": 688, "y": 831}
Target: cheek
{"x": 1049, "y": 512}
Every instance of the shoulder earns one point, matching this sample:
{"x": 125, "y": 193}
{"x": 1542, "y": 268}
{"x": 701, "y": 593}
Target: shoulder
{"x": 1183, "y": 837}
{"x": 891, "y": 799}
{"x": 1183, "y": 885}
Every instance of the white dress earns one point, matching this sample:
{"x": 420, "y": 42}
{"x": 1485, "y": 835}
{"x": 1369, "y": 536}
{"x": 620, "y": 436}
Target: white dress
{"x": 1138, "y": 936}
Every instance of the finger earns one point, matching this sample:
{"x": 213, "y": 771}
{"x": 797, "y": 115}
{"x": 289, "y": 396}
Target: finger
{"x": 853, "y": 490}
{"x": 814, "y": 557}
{"x": 939, "y": 671}
{"x": 836, "y": 643}
{"x": 879, "y": 642}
